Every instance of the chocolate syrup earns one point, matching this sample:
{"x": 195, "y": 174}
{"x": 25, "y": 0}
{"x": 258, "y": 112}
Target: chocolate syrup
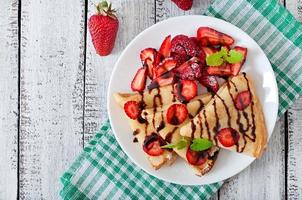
{"x": 217, "y": 125}
{"x": 207, "y": 124}
{"x": 180, "y": 97}
{"x": 161, "y": 126}
{"x": 226, "y": 109}
{"x": 193, "y": 127}
{"x": 201, "y": 105}
{"x": 170, "y": 135}
{"x": 135, "y": 140}
{"x": 136, "y": 132}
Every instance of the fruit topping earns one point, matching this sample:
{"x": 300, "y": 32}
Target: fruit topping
{"x": 190, "y": 70}
{"x": 163, "y": 80}
{"x": 210, "y": 82}
{"x": 139, "y": 81}
{"x": 166, "y": 65}
{"x": 243, "y": 100}
{"x": 228, "y": 137}
{"x": 210, "y": 37}
{"x": 182, "y": 44}
{"x": 152, "y": 145}
{"x": 165, "y": 48}
{"x": 196, "y": 158}
{"x": 209, "y": 50}
{"x": 149, "y": 57}
{"x": 185, "y": 90}
{"x": 236, "y": 67}
{"x": 176, "y": 114}
{"x": 223, "y": 70}
{"x": 184, "y": 4}
{"x": 132, "y": 109}
{"x": 180, "y": 58}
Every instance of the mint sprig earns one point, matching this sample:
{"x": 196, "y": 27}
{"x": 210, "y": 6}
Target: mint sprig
{"x": 200, "y": 144}
{"x": 179, "y": 145}
{"x": 218, "y": 58}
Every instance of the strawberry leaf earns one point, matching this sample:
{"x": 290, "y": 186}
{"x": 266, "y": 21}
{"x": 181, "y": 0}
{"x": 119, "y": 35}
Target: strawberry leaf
{"x": 200, "y": 144}
{"x": 234, "y": 57}
{"x": 217, "y": 59}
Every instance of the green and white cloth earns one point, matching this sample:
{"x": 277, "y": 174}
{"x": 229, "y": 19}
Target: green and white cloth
{"x": 103, "y": 170}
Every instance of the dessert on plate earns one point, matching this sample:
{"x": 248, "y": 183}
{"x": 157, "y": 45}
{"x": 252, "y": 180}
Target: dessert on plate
{"x": 190, "y": 99}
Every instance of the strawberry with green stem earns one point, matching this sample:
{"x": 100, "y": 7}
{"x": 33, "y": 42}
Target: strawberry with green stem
{"x": 103, "y": 27}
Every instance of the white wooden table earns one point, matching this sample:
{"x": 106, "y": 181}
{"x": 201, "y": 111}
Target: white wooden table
{"x": 53, "y": 98}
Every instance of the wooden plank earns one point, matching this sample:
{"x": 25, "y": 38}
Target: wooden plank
{"x": 134, "y": 16}
{"x": 8, "y": 98}
{"x": 294, "y": 124}
{"x": 294, "y": 167}
{"x": 52, "y": 71}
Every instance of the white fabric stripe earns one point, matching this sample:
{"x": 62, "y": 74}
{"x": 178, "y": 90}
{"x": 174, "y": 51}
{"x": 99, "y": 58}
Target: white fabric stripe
{"x": 107, "y": 191}
{"x": 89, "y": 178}
{"x": 80, "y": 172}
{"x": 97, "y": 185}
{"x": 231, "y": 9}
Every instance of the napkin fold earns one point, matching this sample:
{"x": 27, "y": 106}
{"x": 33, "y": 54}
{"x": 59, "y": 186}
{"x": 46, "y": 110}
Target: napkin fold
{"x": 103, "y": 170}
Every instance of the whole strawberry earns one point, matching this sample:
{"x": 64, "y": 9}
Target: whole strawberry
{"x": 103, "y": 27}
{"x": 184, "y": 4}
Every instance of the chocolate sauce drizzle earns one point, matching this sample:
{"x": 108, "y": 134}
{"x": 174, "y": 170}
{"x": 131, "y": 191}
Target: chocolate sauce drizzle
{"x": 169, "y": 136}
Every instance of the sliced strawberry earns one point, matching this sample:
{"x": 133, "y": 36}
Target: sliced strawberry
{"x": 165, "y": 79}
{"x": 152, "y": 145}
{"x": 237, "y": 66}
{"x": 209, "y": 50}
{"x": 149, "y": 57}
{"x": 180, "y": 58}
{"x": 139, "y": 81}
{"x": 181, "y": 43}
{"x": 165, "y": 48}
{"x": 166, "y": 65}
{"x": 243, "y": 100}
{"x": 132, "y": 109}
{"x": 196, "y": 157}
{"x": 210, "y": 37}
{"x": 189, "y": 70}
{"x": 177, "y": 114}
{"x": 210, "y": 82}
{"x": 223, "y": 70}
{"x": 185, "y": 90}
{"x": 228, "y": 137}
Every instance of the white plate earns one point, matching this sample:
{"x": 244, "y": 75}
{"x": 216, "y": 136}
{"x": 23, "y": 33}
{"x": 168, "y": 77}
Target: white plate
{"x": 257, "y": 65}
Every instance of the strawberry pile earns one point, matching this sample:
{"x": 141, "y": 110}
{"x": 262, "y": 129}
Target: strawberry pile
{"x": 183, "y": 61}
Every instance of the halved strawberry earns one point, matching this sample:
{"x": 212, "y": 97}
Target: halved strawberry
{"x": 185, "y": 90}
{"x": 165, "y": 48}
{"x": 139, "y": 81}
{"x": 180, "y": 58}
{"x": 181, "y": 43}
{"x": 189, "y": 70}
{"x": 228, "y": 137}
{"x": 243, "y": 100}
{"x": 237, "y": 66}
{"x": 223, "y": 70}
{"x": 210, "y": 82}
{"x": 132, "y": 109}
{"x": 152, "y": 145}
{"x": 166, "y": 65}
{"x": 148, "y": 57}
{"x": 177, "y": 114}
{"x": 196, "y": 157}
{"x": 165, "y": 79}
{"x": 211, "y": 37}
{"x": 209, "y": 50}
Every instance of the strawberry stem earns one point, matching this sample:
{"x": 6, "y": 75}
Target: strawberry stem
{"x": 104, "y": 8}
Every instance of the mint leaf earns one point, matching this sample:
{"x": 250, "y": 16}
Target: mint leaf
{"x": 218, "y": 58}
{"x": 200, "y": 144}
{"x": 234, "y": 57}
{"x": 179, "y": 145}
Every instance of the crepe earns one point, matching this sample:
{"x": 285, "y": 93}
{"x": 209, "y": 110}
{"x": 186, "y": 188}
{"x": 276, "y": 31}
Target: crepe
{"x": 221, "y": 113}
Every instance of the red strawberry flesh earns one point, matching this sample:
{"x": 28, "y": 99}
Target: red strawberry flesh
{"x": 165, "y": 79}
{"x": 211, "y": 37}
{"x": 165, "y": 48}
{"x": 228, "y": 137}
{"x": 223, "y": 70}
{"x": 184, "y": 4}
{"x": 185, "y": 90}
{"x": 237, "y": 66}
{"x": 190, "y": 70}
{"x": 165, "y": 66}
{"x": 243, "y": 100}
{"x": 152, "y": 145}
{"x": 139, "y": 81}
{"x": 196, "y": 158}
{"x": 132, "y": 109}
{"x": 210, "y": 82}
{"x": 176, "y": 114}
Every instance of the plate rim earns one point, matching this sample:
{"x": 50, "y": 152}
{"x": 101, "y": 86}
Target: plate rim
{"x": 108, "y": 98}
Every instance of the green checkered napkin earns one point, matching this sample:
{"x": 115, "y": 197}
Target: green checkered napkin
{"x": 103, "y": 170}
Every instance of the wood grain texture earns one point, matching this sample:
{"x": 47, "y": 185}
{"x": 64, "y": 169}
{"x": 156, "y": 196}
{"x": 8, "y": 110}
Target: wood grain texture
{"x": 134, "y": 16}
{"x": 8, "y": 98}
{"x": 52, "y": 46}
{"x": 294, "y": 124}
